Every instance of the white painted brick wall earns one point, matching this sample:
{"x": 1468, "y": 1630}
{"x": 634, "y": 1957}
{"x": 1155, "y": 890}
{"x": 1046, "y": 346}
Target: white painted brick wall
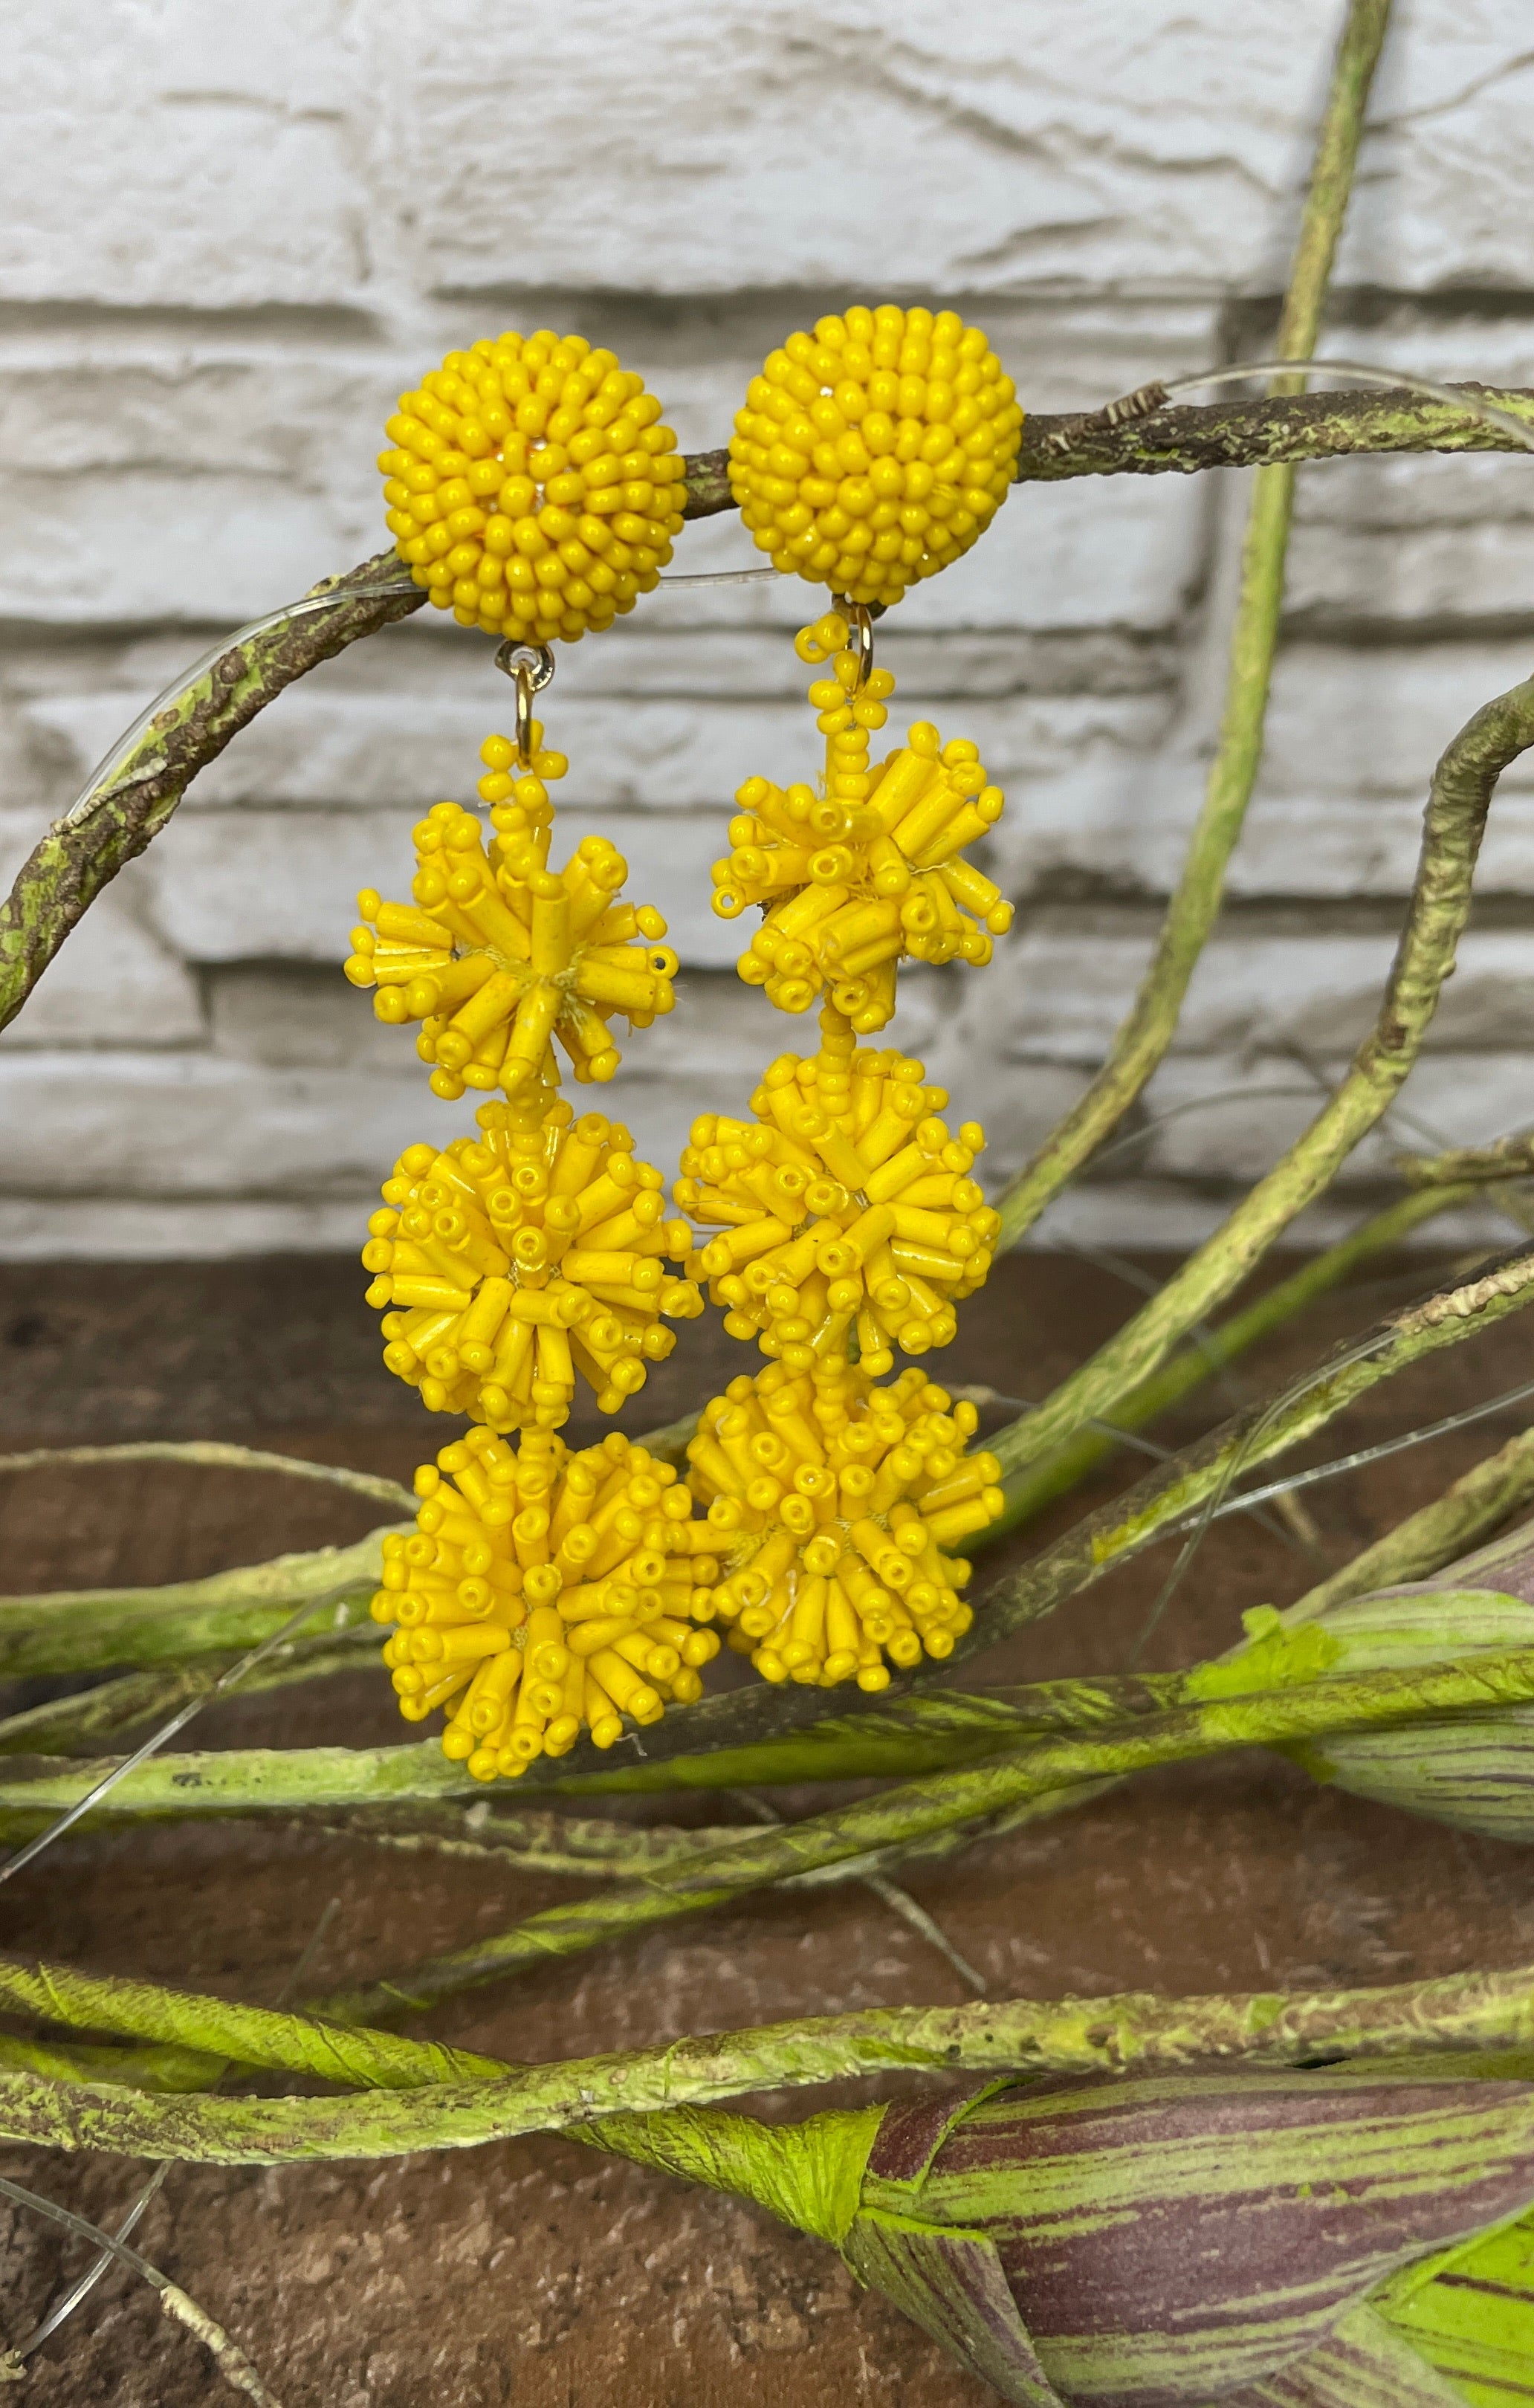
{"x": 233, "y": 236}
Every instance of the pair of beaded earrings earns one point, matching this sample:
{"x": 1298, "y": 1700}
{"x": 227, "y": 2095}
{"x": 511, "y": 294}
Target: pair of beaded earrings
{"x": 535, "y": 492}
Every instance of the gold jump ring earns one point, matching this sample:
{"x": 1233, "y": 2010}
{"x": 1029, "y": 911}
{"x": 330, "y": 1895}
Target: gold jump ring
{"x": 530, "y": 666}
{"x": 860, "y": 622}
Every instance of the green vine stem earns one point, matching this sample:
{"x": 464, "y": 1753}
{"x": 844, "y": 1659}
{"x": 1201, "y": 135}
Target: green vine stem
{"x": 1173, "y": 1493}
{"x": 578, "y": 1847}
{"x": 1472, "y": 1508}
{"x": 217, "y": 1455}
{"x": 230, "y": 2361}
{"x": 914, "y": 1733}
{"x": 1143, "y": 1038}
{"x": 296, "y": 1780}
{"x": 1223, "y": 1345}
{"x": 141, "y": 787}
{"x": 1509, "y": 1157}
{"x": 85, "y": 1631}
{"x": 230, "y": 1780}
{"x": 1458, "y": 802}
{"x": 67, "y": 1631}
{"x": 1346, "y": 1703}
{"x": 410, "y": 1796}
{"x": 167, "y": 2069}
{"x": 426, "y": 2106}
{"x": 74, "y": 1726}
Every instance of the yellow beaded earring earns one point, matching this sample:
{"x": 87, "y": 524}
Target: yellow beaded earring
{"x": 534, "y": 491}
{"x": 869, "y": 454}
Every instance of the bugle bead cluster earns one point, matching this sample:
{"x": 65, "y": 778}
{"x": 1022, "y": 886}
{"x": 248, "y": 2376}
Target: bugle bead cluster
{"x": 532, "y": 488}
{"x": 542, "y": 1594}
{"x": 869, "y": 873}
{"x": 851, "y": 1217}
{"x": 836, "y": 1505}
{"x": 499, "y": 955}
{"x": 510, "y": 1264}
{"x": 876, "y": 450}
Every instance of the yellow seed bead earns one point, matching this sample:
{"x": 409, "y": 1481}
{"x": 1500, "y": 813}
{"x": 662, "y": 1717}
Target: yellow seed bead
{"x": 833, "y": 428}
{"x": 867, "y": 1585}
{"x": 506, "y": 435}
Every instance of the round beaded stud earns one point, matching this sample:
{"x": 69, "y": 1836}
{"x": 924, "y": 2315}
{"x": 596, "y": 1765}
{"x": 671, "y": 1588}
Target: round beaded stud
{"x": 875, "y": 450}
{"x": 531, "y": 486}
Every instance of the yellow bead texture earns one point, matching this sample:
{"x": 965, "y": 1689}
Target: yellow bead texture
{"x": 532, "y": 488}
{"x": 875, "y": 450}
{"x": 499, "y": 955}
{"x": 544, "y": 1593}
{"x": 850, "y": 1213}
{"x": 509, "y": 1263}
{"x": 834, "y": 1504}
{"x": 871, "y": 872}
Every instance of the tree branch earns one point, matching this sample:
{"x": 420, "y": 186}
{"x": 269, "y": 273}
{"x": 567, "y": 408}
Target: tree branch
{"x": 1458, "y": 801}
{"x": 1143, "y": 1036}
{"x": 81, "y": 854}
{"x": 405, "y": 2104}
{"x": 1183, "y": 440}
{"x": 1506, "y": 1158}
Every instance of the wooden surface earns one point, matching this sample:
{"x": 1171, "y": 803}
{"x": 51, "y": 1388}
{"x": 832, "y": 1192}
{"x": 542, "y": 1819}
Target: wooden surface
{"x": 535, "y": 2272}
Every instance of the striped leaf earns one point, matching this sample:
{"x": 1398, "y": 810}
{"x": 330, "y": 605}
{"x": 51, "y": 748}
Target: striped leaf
{"x": 1361, "y": 2364}
{"x": 953, "y": 2285}
{"x": 1476, "y": 1771}
{"x": 1186, "y": 2240}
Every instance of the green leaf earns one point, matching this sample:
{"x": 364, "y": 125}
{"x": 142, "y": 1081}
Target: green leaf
{"x": 1272, "y": 1658}
{"x": 1470, "y": 2312}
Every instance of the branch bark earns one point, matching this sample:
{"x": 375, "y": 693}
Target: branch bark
{"x": 1183, "y": 439}
{"x": 82, "y": 854}
{"x": 1354, "y": 1701}
{"x": 1508, "y": 1157}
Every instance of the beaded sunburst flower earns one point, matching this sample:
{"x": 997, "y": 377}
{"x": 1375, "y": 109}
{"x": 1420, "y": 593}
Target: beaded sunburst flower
{"x": 499, "y": 955}
{"x": 512, "y": 1262}
{"x": 542, "y": 1592}
{"x": 833, "y": 1503}
{"x": 870, "y": 872}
